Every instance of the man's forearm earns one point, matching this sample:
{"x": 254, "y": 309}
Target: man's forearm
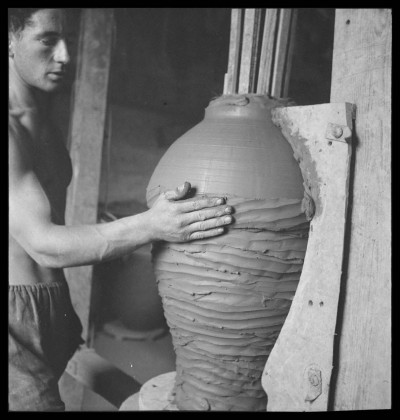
{"x": 169, "y": 219}
{"x": 68, "y": 246}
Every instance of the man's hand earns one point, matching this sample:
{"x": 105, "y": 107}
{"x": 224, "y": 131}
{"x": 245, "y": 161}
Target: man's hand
{"x": 175, "y": 220}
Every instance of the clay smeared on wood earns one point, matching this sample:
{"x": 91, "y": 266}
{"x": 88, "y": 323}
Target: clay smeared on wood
{"x": 311, "y": 202}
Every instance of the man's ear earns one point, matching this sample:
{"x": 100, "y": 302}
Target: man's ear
{"x": 11, "y": 43}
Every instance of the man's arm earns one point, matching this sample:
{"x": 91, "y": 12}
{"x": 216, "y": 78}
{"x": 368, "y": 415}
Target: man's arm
{"x": 52, "y": 245}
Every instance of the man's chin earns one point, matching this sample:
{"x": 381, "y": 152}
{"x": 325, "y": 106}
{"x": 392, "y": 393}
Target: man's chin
{"x": 54, "y": 87}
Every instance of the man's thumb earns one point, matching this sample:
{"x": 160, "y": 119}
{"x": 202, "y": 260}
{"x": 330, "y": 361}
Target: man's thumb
{"x": 179, "y": 192}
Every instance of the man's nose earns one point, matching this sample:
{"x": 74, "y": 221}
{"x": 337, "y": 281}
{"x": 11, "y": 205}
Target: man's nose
{"x": 61, "y": 54}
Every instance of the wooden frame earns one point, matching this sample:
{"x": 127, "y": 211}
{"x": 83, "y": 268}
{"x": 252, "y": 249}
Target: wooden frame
{"x": 298, "y": 371}
{"x": 260, "y": 63}
{"x": 361, "y": 74}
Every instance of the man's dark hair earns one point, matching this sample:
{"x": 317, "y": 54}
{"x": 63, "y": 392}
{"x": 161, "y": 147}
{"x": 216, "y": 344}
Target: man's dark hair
{"x": 18, "y": 18}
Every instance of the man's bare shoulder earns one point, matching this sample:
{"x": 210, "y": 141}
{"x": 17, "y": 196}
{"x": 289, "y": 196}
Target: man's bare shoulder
{"x": 20, "y": 144}
{"x": 16, "y": 128}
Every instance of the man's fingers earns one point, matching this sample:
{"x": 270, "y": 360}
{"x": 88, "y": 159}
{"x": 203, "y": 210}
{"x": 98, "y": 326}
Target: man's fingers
{"x": 208, "y": 213}
{"x": 206, "y": 233}
{"x": 210, "y": 224}
{"x": 193, "y": 204}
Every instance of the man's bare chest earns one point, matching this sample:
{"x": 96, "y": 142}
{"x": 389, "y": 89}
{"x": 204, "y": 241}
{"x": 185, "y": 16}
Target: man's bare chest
{"x": 52, "y": 161}
{"x": 53, "y": 169}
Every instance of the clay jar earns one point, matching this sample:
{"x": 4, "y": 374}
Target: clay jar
{"x": 226, "y": 298}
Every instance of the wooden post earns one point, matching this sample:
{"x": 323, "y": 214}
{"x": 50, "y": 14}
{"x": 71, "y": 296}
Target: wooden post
{"x": 289, "y": 57}
{"x": 255, "y": 59}
{"x": 267, "y": 51}
{"x": 361, "y": 74}
{"x": 281, "y": 53}
{"x": 298, "y": 371}
{"x": 85, "y": 143}
{"x": 264, "y": 70}
{"x": 231, "y": 77}
{"x": 102, "y": 377}
{"x": 248, "y": 59}
{"x": 245, "y": 57}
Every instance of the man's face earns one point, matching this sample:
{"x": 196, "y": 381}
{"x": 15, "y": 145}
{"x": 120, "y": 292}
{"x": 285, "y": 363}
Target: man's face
{"x": 40, "y": 51}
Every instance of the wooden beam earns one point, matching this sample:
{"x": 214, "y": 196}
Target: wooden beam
{"x": 298, "y": 371}
{"x": 255, "y": 54}
{"x": 86, "y": 141}
{"x": 231, "y": 77}
{"x": 289, "y": 57}
{"x": 85, "y": 144}
{"x": 264, "y": 70}
{"x": 361, "y": 74}
{"x": 249, "y": 48}
{"x": 267, "y": 52}
{"x": 72, "y": 392}
{"x": 101, "y": 376}
{"x": 281, "y": 52}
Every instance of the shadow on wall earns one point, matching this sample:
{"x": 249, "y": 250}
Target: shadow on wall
{"x": 170, "y": 60}
{"x": 129, "y": 292}
{"x": 310, "y": 78}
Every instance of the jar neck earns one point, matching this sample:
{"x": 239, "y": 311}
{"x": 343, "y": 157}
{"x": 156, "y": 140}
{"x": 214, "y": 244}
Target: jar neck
{"x": 249, "y": 106}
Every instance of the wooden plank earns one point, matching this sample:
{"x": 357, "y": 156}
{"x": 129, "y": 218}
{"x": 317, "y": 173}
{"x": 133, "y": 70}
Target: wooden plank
{"x": 282, "y": 46}
{"x": 361, "y": 74}
{"x": 85, "y": 144}
{"x": 298, "y": 371}
{"x": 246, "y": 53}
{"x": 87, "y": 130}
{"x": 255, "y": 62}
{"x": 267, "y": 51}
{"x": 101, "y": 376}
{"x": 289, "y": 58}
{"x": 72, "y": 392}
{"x": 231, "y": 77}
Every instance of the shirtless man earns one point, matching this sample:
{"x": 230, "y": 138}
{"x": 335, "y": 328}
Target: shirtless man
{"x": 44, "y": 330}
